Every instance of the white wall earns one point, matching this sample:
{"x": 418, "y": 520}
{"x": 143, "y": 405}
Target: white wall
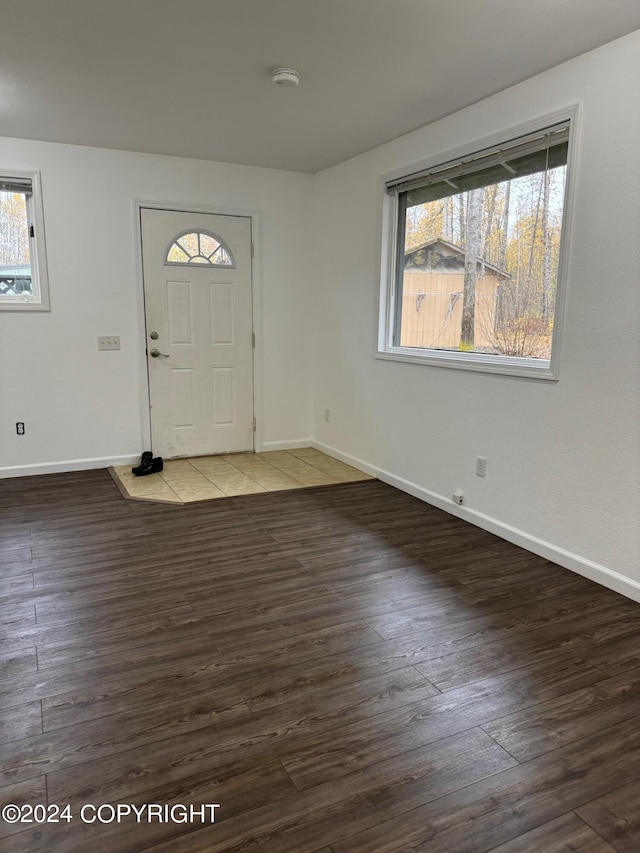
{"x": 563, "y": 467}
{"x": 83, "y": 408}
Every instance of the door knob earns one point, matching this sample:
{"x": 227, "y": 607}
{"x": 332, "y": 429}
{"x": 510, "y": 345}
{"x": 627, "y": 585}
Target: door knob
{"x": 155, "y": 353}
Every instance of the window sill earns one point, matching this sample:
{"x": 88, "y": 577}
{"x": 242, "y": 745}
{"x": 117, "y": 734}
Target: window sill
{"x": 21, "y": 305}
{"x": 502, "y": 365}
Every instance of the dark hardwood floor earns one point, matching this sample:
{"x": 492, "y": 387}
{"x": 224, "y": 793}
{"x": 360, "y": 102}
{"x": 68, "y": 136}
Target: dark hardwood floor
{"x": 342, "y": 669}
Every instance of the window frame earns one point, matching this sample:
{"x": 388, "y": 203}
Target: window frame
{"x": 39, "y": 300}
{"x": 390, "y": 259}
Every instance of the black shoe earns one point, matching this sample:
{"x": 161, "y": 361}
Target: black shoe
{"x": 150, "y": 466}
{"x": 145, "y": 460}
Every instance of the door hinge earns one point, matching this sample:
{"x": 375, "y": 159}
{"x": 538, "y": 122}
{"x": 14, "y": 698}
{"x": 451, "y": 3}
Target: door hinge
{"x": 254, "y": 425}
{"x": 32, "y": 232}
{"x": 253, "y": 339}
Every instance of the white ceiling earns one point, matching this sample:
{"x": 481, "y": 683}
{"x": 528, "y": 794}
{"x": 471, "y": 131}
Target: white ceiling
{"x": 193, "y": 77}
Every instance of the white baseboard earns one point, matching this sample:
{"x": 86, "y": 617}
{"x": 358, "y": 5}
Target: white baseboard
{"x": 285, "y": 445}
{"x": 67, "y": 465}
{"x": 567, "y": 559}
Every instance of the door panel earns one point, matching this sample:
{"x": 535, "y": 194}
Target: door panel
{"x": 179, "y": 313}
{"x": 182, "y": 398}
{"x": 223, "y": 396}
{"x": 201, "y": 380}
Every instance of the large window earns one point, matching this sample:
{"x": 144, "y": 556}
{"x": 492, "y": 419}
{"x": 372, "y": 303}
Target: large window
{"x": 474, "y": 272}
{"x": 23, "y": 270}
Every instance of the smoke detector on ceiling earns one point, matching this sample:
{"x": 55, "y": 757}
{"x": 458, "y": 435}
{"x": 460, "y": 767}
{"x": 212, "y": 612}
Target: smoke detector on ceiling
{"x": 286, "y": 77}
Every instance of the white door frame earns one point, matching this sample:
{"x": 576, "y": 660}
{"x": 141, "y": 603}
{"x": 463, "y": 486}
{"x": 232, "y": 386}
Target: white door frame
{"x": 143, "y": 373}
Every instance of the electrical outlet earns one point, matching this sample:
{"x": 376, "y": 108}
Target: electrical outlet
{"x": 20, "y": 427}
{"x": 457, "y": 498}
{"x": 327, "y": 415}
{"x": 481, "y": 466}
{"x": 108, "y": 342}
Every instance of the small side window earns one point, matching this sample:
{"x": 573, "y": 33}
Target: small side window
{"x": 23, "y": 268}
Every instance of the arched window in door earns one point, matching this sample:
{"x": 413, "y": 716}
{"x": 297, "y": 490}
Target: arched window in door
{"x": 199, "y": 247}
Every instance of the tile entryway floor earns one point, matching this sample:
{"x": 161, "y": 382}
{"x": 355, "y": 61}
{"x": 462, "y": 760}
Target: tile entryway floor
{"x": 206, "y": 478}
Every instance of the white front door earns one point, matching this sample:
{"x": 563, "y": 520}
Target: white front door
{"x": 199, "y": 328}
